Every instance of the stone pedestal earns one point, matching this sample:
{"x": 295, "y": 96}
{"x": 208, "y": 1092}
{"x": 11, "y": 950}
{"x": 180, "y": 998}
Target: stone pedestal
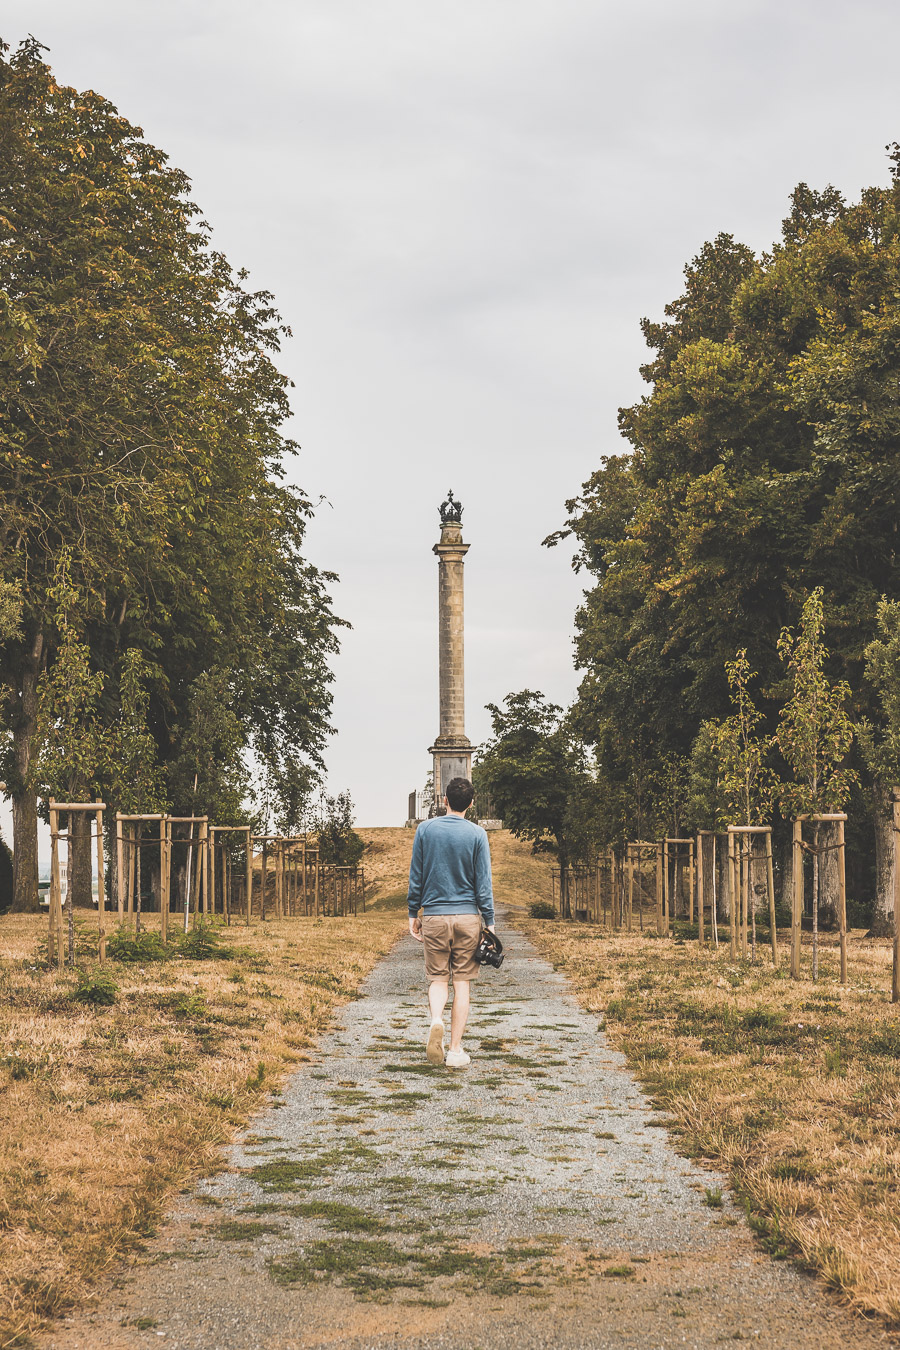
{"x": 452, "y": 750}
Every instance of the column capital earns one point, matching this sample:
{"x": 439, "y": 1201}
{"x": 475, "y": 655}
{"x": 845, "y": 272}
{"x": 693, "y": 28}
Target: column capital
{"x": 450, "y": 552}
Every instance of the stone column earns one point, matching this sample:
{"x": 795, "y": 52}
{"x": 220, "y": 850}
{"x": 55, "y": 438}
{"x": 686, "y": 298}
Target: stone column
{"x": 452, "y": 751}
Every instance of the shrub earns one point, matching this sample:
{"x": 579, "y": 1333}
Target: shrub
{"x": 129, "y": 949}
{"x": 542, "y": 910}
{"x": 95, "y": 988}
{"x": 189, "y": 1006}
{"x": 204, "y": 943}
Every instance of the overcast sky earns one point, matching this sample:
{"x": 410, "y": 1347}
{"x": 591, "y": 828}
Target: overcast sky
{"x": 463, "y": 211}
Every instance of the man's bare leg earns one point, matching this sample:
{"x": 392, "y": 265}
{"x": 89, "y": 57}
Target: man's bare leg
{"x": 460, "y": 1012}
{"x": 438, "y": 992}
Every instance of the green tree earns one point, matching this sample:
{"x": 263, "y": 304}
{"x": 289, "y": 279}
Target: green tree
{"x": 880, "y": 742}
{"x": 534, "y": 768}
{"x": 209, "y": 775}
{"x": 814, "y": 735}
{"x": 747, "y": 784}
{"x": 338, "y": 841}
{"x": 141, "y": 432}
{"x": 764, "y": 461}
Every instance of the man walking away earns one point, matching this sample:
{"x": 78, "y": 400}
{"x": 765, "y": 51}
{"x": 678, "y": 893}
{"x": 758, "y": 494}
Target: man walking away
{"x": 450, "y": 878}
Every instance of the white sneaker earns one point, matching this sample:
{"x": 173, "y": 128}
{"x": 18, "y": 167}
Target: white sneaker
{"x": 434, "y": 1046}
{"x": 458, "y": 1059}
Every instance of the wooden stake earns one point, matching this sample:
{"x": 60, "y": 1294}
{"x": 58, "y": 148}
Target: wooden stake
{"x": 770, "y": 888}
{"x": 895, "y": 971}
{"x": 630, "y": 871}
{"x": 203, "y": 864}
{"x": 132, "y": 871}
{"x": 248, "y": 875}
{"x": 101, "y": 888}
{"x": 55, "y": 942}
{"x": 225, "y": 869}
{"x": 265, "y": 876}
{"x": 163, "y": 882}
{"x": 137, "y": 881}
{"x": 660, "y": 915}
{"x": 120, "y": 869}
{"x": 701, "y": 898}
{"x": 691, "y": 883}
{"x": 842, "y": 899}
{"x": 667, "y": 908}
{"x": 733, "y": 893}
{"x": 744, "y": 847}
{"x": 714, "y": 899}
{"x": 797, "y": 899}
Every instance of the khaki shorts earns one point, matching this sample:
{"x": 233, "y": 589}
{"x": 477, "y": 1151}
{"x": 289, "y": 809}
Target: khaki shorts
{"x": 451, "y": 941}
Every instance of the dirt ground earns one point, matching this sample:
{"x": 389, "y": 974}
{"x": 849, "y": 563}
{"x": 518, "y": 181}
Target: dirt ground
{"x": 534, "y": 1200}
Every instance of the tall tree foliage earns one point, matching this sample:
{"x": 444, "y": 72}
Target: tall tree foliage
{"x": 880, "y": 741}
{"x": 814, "y": 735}
{"x": 764, "y": 462}
{"x": 534, "y": 769}
{"x": 140, "y": 434}
{"x": 746, "y": 781}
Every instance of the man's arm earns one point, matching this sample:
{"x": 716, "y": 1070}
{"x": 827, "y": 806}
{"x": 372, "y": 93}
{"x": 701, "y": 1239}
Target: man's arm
{"x": 414, "y": 892}
{"x": 484, "y": 891}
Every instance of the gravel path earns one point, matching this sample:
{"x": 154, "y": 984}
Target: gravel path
{"x": 530, "y": 1201}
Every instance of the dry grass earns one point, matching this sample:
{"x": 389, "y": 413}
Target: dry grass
{"x": 792, "y": 1087}
{"x": 105, "y": 1111}
{"x": 386, "y": 864}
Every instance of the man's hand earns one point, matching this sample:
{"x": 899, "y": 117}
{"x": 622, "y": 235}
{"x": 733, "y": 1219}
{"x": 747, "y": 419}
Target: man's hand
{"x": 415, "y": 928}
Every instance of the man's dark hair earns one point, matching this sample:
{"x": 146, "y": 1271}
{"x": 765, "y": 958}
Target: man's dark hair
{"x": 460, "y": 794}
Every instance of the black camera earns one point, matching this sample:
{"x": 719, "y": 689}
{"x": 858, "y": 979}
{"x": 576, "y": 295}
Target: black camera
{"x": 490, "y": 950}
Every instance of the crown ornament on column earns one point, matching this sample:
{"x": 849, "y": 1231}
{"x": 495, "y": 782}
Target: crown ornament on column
{"x": 451, "y": 511}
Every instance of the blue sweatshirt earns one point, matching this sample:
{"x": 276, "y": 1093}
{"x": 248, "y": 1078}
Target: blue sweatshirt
{"x": 450, "y": 872}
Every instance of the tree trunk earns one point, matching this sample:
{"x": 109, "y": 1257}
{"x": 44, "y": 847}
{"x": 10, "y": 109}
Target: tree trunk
{"x": 679, "y": 899}
{"x": 25, "y": 853}
{"x": 759, "y": 889}
{"x": 829, "y": 876}
{"x": 817, "y": 872}
{"x": 883, "y": 904}
{"x": 80, "y": 825}
{"x": 24, "y": 798}
{"x": 786, "y": 896}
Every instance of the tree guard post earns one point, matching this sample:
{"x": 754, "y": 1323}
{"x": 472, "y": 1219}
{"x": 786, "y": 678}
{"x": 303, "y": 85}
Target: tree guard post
{"x": 212, "y": 869}
{"x": 303, "y": 866}
{"x": 248, "y": 873}
{"x": 55, "y": 942}
{"x": 732, "y": 894}
{"x": 817, "y": 819}
{"x": 660, "y": 862}
{"x": 56, "y": 913}
{"x": 101, "y": 888}
{"x": 701, "y": 882}
{"x": 667, "y": 908}
{"x": 796, "y": 899}
{"x": 842, "y": 899}
{"x": 740, "y": 848}
{"x": 770, "y": 887}
{"x": 895, "y": 967}
{"x": 714, "y": 898}
{"x": 203, "y": 866}
{"x": 120, "y": 869}
{"x": 744, "y": 850}
{"x": 164, "y": 879}
{"x": 630, "y": 872}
